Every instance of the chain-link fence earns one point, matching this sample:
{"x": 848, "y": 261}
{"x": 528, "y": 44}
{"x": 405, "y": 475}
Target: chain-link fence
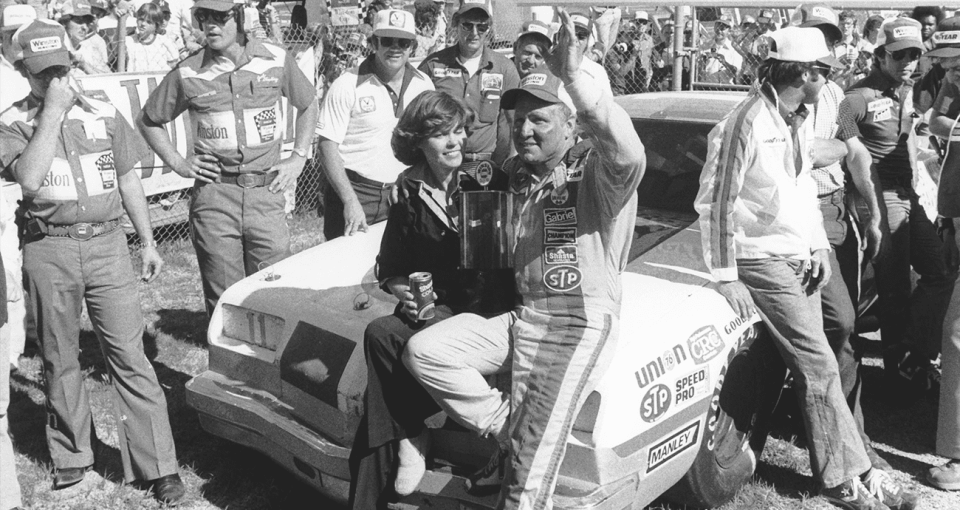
{"x": 721, "y": 49}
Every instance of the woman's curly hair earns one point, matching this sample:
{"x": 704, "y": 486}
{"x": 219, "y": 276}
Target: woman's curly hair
{"x": 429, "y": 114}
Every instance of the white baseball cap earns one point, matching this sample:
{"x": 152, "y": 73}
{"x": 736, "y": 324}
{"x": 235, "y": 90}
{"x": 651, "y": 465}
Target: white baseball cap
{"x": 394, "y": 23}
{"x": 796, "y": 44}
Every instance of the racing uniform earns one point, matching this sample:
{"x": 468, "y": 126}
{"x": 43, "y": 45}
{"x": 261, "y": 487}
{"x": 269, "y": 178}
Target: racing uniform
{"x": 880, "y": 113}
{"x": 80, "y": 199}
{"x": 573, "y": 229}
{"x": 236, "y": 223}
{"x": 489, "y": 135}
{"x": 760, "y": 223}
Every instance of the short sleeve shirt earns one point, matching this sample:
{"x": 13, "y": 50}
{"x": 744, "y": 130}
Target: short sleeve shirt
{"x": 882, "y": 114}
{"x": 96, "y": 146}
{"x": 481, "y": 92}
{"x": 235, "y": 109}
{"x": 359, "y": 112}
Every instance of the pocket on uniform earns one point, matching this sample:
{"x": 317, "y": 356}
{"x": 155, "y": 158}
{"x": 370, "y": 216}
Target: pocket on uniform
{"x": 489, "y": 108}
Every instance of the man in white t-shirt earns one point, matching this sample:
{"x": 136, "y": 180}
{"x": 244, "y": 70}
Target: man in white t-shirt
{"x": 721, "y": 62}
{"x": 356, "y": 123}
{"x": 585, "y": 39}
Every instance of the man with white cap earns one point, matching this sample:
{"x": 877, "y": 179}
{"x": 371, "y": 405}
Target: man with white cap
{"x": 944, "y": 124}
{"x": 479, "y": 76}
{"x": 841, "y": 291}
{"x": 356, "y": 122}
{"x": 73, "y": 156}
{"x": 558, "y": 343}
{"x": 763, "y": 241}
{"x": 879, "y": 110}
{"x": 586, "y": 40}
{"x": 531, "y": 46}
{"x": 13, "y": 17}
{"x": 233, "y": 89}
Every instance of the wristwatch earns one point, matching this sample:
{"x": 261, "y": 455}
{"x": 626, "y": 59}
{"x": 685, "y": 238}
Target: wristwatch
{"x": 300, "y": 152}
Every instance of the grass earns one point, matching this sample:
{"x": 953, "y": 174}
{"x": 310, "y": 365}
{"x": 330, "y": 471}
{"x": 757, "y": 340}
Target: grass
{"x": 220, "y": 475}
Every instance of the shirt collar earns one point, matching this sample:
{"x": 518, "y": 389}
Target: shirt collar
{"x": 253, "y": 48}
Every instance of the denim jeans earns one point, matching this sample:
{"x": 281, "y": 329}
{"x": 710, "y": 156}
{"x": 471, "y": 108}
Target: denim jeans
{"x": 948, "y": 424}
{"x": 916, "y": 320}
{"x": 839, "y": 301}
{"x": 795, "y": 321}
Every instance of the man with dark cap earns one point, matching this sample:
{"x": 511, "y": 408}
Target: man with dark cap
{"x": 531, "y": 46}
{"x": 233, "y": 90}
{"x": 559, "y": 342}
{"x": 479, "y": 76}
{"x": 73, "y": 156}
{"x": 879, "y": 110}
{"x": 764, "y": 243}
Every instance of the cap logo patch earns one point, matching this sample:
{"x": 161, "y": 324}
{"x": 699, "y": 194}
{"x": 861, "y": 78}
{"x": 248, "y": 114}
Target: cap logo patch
{"x": 823, "y": 12}
{"x": 906, "y": 33}
{"x": 950, "y": 37}
{"x": 45, "y": 44}
{"x": 534, "y": 80}
{"x": 473, "y": 2}
{"x": 396, "y": 19}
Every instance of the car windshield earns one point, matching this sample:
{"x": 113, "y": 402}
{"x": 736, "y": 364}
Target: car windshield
{"x": 676, "y": 152}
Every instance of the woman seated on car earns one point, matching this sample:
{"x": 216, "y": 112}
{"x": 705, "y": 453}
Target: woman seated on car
{"x": 422, "y": 234}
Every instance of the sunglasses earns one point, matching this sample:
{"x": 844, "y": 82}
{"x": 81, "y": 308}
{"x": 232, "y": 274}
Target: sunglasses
{"x": 399, "y": 42}
{"x": 215, "y": 17}
{"x": 906, "y": 53}
{"x": 468, "y": 26}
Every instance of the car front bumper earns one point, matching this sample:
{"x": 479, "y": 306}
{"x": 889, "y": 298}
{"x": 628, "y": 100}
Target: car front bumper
{"x": 254, "y": 418}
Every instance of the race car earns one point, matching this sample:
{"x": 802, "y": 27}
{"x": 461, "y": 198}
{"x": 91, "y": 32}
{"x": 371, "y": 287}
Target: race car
{"x": 673, "y": 414}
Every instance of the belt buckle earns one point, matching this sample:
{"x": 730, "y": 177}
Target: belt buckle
{"x": 247, "y": 181}
{"x": 80, "y": 231}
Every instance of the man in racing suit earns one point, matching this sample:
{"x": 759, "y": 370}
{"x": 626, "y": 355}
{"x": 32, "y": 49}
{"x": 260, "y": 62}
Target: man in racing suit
{"x": 574, "y": 212}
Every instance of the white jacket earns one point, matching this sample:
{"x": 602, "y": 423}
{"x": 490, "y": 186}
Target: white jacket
{"x": 752, "y": 202}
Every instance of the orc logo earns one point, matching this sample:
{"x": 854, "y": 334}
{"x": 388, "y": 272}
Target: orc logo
{"x": 562, "y": 278}
{"x": 655, "y": 403}
{"x": 705, "y": 344}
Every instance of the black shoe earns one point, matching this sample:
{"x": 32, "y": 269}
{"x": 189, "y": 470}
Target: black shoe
{"x": 169, "y": 489}
{"x": 68, "y": 477}
{"x": 488, "y": 480}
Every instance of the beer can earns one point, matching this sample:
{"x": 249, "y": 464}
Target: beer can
{"x": 421, "y": 286}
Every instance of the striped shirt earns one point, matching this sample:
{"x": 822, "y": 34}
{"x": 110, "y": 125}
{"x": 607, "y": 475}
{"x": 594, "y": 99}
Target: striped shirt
{"x": 754, "y": 202}
{"x": 236, "y": 108}
{"x": 95, "y": 147}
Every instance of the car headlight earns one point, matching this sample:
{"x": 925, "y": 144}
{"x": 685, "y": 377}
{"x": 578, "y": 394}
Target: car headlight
{"x": 257, "y": 328}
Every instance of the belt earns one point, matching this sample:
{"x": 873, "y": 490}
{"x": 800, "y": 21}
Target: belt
{"x": 82, "y": 231}
{"x": 359, "y": 179}
{"x": 477, "y": 156}
{"x": 842, "y": 192}
{"x": 249, "y": 180}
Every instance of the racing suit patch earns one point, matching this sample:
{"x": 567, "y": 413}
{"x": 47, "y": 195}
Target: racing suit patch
{"x": 445, "y": 72}
{"x": 367, "y": 104}
{"x": 562, "y": 278}
{"x": 561, "y": 254}
{"x": 565, "y": 216}
{"x": 99, "y": 172}
{"x": 560, "y": 235}
{"x": 559, "y": 196}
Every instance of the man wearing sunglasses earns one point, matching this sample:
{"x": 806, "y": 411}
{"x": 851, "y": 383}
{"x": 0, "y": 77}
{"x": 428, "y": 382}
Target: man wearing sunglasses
{"x": 73, "y": 157}
{"x": 840, "y": 293}
{"x": 478, "y": 75}
{"x": 879, "y": 108}
{"x": 233, "y": 91}
{"x": 356, "y": 124}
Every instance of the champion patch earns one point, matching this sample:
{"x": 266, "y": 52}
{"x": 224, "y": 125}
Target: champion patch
{"x": 568, "y": 254}
{"x": 562, "y": 278}
{"x": 565, "y": 216}
{"x": 560, "y": 235}
{"x": 367, "y": 104}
